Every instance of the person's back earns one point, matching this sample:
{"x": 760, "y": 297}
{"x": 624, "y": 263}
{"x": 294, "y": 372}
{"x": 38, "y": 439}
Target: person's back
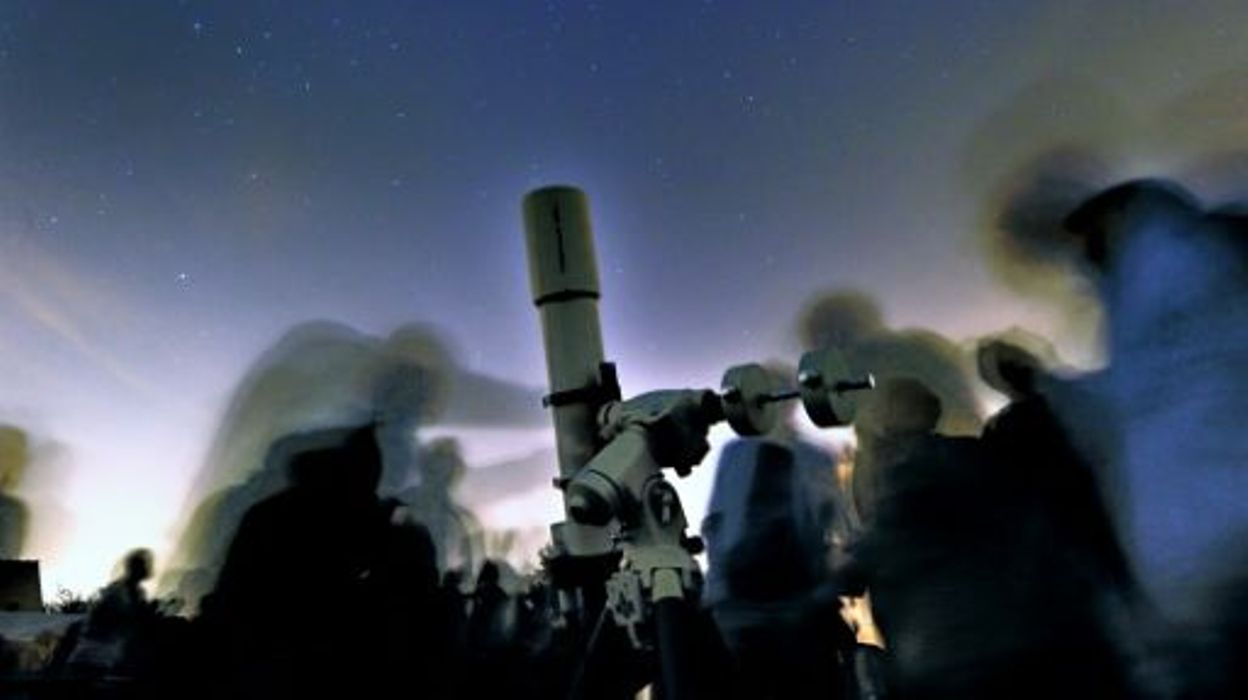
{"x": 769, "y": 587}
{"x": 1173, "y": 279}
{"x": 293, "y": 600}
{"x": 762, "y": 543}
{"x": 120, "y": 615}
{"x": 949, "y": 577}
{"x": 411, "y": 623}
{"x": 488, "y": 633}
{"x": 1027, "y": 442}
{"x": 1060, "y": 486}
{"x": 947, "y": 561}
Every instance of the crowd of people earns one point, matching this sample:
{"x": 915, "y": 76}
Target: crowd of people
{"x": 326, "y": 588}
{"x": 1085, "y": 541}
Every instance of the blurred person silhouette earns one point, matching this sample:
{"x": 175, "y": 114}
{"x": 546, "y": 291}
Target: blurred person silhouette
{"x": 300, "y": 604}
{"x": 772, "y": 518}
{"x": 429, "y": 495}
{"x": 414, "y": 621}
{"x": 455, "y": 602}
{"x": 535, "y": 638}
{"x": 488, "y": 623}
{"x": 853, "y": 322}
{"x": 1223, "y": 672}
{"x": 490, "y": 630}
{"x": 1081, "y": 580}
{"x": 326, "y": 373}
{"x": 951, "y": 571}
{"x": 453, "y": 606}
{"x": 1173, "y": 280}
{"x": 1029, "y": 440}
{"x": 14, "y": 514}
{"x": 119, "y": 618}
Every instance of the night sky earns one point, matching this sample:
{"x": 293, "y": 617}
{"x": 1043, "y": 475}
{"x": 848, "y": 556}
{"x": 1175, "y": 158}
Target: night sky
{"x": 181, "y": 182}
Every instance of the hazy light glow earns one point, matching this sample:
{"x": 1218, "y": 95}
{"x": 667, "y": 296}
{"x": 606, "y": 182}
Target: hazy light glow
{"x": 183, "y": 182}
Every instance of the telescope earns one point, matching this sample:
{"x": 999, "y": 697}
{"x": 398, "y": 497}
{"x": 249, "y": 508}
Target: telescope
{"x": 623, "y": 550}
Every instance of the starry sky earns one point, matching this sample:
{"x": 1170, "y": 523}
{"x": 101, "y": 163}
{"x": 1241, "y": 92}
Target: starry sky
{"x": 181, "y": 182}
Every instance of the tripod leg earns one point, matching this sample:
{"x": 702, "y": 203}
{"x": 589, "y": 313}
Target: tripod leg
{"x": 608, "y": 670}
{"x": 677, "y": 643}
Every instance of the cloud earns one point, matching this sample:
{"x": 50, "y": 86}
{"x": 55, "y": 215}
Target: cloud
{"x": 72, "y": 310}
